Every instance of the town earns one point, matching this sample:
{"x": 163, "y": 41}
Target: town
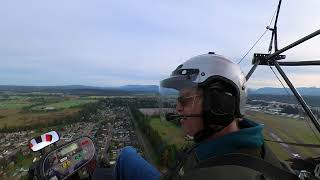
{"x": 279, "y": 108}
{"x": 111, "y": 127}
{"x": 113, "y": 131}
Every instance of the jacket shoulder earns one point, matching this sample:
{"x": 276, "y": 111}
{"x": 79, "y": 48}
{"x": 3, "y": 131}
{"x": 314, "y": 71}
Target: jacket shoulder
{"x": 229, "y": 172}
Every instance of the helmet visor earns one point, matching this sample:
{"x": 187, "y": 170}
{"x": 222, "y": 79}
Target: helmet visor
{"x": 173, "y": 91}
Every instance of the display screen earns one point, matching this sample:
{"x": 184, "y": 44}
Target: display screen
{"x": 66, "y": 160}
{"x": 68, "y": 149}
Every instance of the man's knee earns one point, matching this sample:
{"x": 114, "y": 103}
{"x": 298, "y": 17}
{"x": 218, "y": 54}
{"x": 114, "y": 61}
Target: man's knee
{"x": 127, "y": 152}
{"x": 131, "y": 165}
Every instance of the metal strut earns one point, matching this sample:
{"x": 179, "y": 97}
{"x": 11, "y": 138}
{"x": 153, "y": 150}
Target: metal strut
{"x": 274, "y": 36}
{"x": 298, "y": 96}
{"x": 272, "y": 59}
{"x": 271, "y": 56}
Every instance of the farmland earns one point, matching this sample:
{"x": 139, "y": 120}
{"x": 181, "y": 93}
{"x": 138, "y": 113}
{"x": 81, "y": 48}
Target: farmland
{"x": 22, "y": 109}
{"x": 70, "y": 103}
{"x": 287, "y": 130}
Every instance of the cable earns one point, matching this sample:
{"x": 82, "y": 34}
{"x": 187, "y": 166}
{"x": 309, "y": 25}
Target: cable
{"x": 253, "y": 46}
{"x": 279, "y": 79}
{"x": 290, "y": 96}
{"x": 274, "y": 14}
{"x": 295, "y": 144}
{"x": 267, "y": 28}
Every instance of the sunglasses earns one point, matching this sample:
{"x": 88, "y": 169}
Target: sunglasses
{"x": 184, "y": 100}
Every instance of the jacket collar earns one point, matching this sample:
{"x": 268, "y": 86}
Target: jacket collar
{"x": 249, "y": 136}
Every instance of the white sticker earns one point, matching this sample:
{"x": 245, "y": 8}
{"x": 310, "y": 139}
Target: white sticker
{"x": 54, "y": 178}
{"x": 63, "y": 159}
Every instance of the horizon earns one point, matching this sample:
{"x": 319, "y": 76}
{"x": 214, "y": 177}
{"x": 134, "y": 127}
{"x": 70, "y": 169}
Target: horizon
{"x": 251, "y": 88}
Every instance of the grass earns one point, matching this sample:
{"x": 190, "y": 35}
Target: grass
{"x": 14, "y": 104}
{"x": 65, "y": 104}
{"x": 71, "y": 103}
{"x": 168, "y": 131}
{"x": 15, "y": 109}
{"x": 18, "y": 102}
{"x": 14, "y": 118}
{"x": 96, "y": 97}
{"x": 289, "y": 130}
{"x": 58, "y": 102}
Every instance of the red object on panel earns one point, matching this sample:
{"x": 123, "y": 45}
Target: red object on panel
{"x": 85, "y": 142}
{"x": 48, "y": 137}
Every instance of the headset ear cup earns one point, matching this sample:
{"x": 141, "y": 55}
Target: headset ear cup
{"x": 222, "y": 103}
{"x": 218, "y": 107}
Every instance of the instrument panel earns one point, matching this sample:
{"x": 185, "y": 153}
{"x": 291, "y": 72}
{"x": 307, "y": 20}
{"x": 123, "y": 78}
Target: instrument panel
{"x": 64, "y": 161}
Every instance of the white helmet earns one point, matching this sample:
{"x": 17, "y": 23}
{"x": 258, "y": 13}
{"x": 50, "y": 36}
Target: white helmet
{"x": 223, "y": 86}
{"x": 205, "y": 69}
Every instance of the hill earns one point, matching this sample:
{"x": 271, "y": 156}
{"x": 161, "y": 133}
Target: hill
{"x": 82, "y": 90}
{"x": 309, "y": 91}
{"x": 138, "y": 89}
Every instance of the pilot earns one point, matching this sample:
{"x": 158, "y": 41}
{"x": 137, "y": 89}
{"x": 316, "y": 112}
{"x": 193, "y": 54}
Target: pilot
{"x": 211, "y": 105}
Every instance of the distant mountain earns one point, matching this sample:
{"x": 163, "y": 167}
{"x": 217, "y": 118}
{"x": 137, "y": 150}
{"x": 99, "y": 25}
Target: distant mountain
{"x": 140, "y": 88}
{"x": 137, "y": 89}
{"x": 83, "y": 90}
{"x": 309, "y": 91}
{"x": 41, "y": 88}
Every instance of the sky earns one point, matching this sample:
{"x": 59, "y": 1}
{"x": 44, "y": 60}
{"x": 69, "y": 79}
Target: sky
{"x": 114, "y": 42}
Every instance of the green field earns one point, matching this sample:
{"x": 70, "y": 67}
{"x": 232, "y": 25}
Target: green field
{"x": 65, "y": 104}
{"x": 13, "y": 104}
{"x": 288, "y": 130}
{"x": 23, "y": 110}
{"x": 168, "y": 131}
{"x": 16, "y": 118}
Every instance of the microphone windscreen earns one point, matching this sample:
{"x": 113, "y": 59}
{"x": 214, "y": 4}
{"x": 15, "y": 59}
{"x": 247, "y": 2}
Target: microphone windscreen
{"x": 172, "y": 116}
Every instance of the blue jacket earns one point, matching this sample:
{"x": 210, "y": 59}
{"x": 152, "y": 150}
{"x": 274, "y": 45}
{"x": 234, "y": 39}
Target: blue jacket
{"x": 248, "y": 137}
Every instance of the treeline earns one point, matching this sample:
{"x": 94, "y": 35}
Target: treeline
{"x": 295, "y": 110}
{"x": 151, "y": 102}
{"x": 316, "y": 113}
{"x": 138, "y": 102}
{"x": 86, "y": 114}
{"x": 167, "y": 153}
{"x": 290, "y": 109}
{"x": 261, "y": 103}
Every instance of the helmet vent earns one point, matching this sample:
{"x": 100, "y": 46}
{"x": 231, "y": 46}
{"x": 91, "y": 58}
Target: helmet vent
{"x": 179, "y": 67}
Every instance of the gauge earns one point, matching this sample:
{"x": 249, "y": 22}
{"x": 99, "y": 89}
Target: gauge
{"x": 66, "y": 160}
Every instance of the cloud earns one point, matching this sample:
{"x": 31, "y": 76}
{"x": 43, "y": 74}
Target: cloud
{"x": 138, "y": 42}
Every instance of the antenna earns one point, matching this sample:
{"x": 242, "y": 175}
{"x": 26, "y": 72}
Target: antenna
{"x": 271, "y": 59}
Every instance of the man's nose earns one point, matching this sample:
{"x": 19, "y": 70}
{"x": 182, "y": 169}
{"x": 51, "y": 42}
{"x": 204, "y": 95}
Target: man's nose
{"x": 179, "y": 108}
